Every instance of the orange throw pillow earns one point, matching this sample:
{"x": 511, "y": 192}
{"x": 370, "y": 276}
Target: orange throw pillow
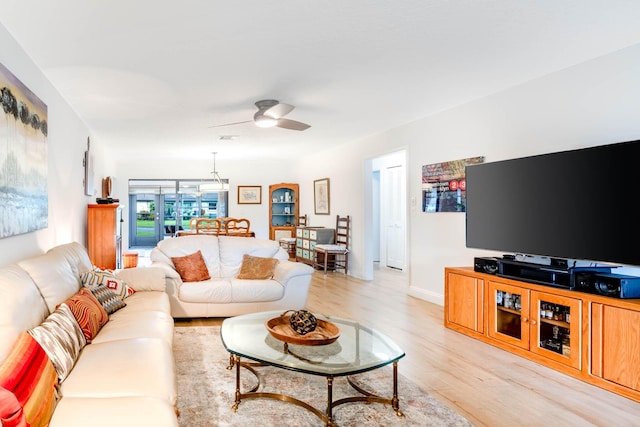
{"x": 88, "y": 312}
{"x": 257, "y": 268}
{"x": 191, "y": 268}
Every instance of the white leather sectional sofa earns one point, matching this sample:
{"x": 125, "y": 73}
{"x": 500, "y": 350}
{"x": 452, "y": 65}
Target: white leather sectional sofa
{"x": 223, "y": 294}
{"x": 126, "y": 375}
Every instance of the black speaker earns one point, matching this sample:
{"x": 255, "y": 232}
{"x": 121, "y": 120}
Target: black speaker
{"x": 485, "y": 265}
{"x": 611, "y": 285}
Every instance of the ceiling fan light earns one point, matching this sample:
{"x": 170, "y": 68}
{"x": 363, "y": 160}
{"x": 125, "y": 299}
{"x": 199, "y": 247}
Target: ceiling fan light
{"x": 264, "y": 121}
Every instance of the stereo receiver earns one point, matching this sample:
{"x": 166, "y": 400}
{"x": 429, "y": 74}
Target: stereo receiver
{"x": 611, "y": 285}
{"x": 485, "y": 265}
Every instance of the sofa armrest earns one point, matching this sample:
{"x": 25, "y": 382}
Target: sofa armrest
{"x": 285, "y": 270}
{"x": 167, "y": 269}
{"x": 143, "y": 278}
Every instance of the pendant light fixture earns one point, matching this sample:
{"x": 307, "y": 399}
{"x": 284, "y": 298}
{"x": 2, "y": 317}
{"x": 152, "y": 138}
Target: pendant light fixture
{"x": 216, "y": 184}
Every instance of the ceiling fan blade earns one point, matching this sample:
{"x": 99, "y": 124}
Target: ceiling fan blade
{"x": 230, "y": 124}
{"x": 279, "y": 110}
{"x": 292, "y": 124}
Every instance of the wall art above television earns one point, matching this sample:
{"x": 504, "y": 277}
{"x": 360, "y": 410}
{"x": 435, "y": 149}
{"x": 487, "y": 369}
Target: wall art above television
{"x": 444, "y": 185}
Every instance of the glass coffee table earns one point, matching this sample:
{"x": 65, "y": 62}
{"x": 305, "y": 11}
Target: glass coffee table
{"x": 358, "y": 349}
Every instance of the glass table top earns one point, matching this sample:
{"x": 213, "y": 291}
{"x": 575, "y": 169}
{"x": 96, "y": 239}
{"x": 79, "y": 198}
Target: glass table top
{"x": 357, "y": 349}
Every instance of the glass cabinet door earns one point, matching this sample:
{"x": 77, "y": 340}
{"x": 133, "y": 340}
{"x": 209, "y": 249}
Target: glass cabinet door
{"x": 509, "y": 314}
{"x": 556, "y": 328}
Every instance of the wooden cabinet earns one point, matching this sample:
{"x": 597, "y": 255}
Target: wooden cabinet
{"x": 283, "y": 210}
{"x": 557, "y": 336}
{"x": 104, "y": 235}
{"x": 508, "y": 314}
{"x": 590, "y": 337}
{"x": 308, "y": 237}
{"x": 615, "y": 345}
{"x": 464, "y": 306}
{"x": 536, "y": 321}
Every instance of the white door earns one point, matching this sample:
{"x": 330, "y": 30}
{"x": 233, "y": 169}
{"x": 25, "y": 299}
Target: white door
{"x": 393, "y": 213}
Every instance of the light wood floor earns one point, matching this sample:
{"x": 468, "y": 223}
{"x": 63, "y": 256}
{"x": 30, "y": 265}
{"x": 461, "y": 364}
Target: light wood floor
{"x": 489, "y": 386}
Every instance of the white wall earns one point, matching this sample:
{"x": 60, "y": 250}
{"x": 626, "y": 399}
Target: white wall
{"x": 594, "y": 103}
{"x": 590, "y": 104}
{"x": 239, "y": 172}
{"x": 67, "y": 141}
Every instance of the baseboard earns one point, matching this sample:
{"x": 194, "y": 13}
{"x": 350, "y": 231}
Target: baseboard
{"x": 426, "y": 295}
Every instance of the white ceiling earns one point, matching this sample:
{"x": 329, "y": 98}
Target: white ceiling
{"x": 155, "y": 73}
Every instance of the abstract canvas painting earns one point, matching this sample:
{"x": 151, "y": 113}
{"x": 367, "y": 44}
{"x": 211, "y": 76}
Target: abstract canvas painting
{"x": 24, "y": 201}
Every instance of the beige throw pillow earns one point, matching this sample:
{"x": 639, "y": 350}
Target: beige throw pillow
{"x": 257, "y": 268}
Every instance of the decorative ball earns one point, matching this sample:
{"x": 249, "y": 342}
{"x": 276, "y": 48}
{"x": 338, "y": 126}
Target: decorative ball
{"x": 303, "y": 322}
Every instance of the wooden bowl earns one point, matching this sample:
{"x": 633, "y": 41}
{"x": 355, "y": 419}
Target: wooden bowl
{"x": 280, "y": 328}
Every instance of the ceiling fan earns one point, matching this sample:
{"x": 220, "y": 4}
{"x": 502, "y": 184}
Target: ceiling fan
{"x": 270, "y": 114}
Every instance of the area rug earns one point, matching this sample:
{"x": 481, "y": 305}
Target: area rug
{"x": 206, "y": 392}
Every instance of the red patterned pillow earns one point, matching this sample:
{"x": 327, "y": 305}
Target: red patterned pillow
{"x": 191, "y": 268}
{"x": 96, "y": 277}
{"x": 88, "y": 312}
{"x": 257, "y": 268}
{"x": 28, "y": 375}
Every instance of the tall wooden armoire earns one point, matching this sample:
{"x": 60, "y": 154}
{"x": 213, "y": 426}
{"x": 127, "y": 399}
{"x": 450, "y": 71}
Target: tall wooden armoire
{"x": 104, "y": 235}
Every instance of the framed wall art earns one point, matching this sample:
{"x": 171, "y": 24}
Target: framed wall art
{"x": 24, "y": 199}
{"x": 249, "y": 194}
{"x": 444, "y": 185}
{"x": 321, "y": 196}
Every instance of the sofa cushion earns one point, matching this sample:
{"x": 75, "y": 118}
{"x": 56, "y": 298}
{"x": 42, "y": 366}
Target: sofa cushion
{"x": 145, "y": 301}
{"x": 114, "y": 411}
{"x": 97, "y": 276}
{"x": 232, "y": 249}
{"x": 257, "y": 268}
{"x": 30, "y": 376}
{"x": 256, "y": 290}
{"x": 61, "y": 337}
{"x": 144, "y": 367}
{"x": 214, "y": 290}
{"x": 185, "y": 245}
{"x": 107, "y": 298}
{"x": 143, "y": 278}
{"x": 88, "y": 312}
{"x": 17, "y": 292}
{"x": 75, "y": 254}
{"x": 191, "y": 267}
{"x": 125, "y": 325}
{"x": 54, "y": 277}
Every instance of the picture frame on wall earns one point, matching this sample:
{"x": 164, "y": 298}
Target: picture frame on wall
{"x": 24, "y": 130}
{"x": 321, "y": 196}
{"x": 249, "y": 194}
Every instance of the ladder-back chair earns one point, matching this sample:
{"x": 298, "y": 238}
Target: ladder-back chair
{"x": 335, "y": 256}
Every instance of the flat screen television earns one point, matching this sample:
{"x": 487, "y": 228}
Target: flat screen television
{"x": 575, "y": 205}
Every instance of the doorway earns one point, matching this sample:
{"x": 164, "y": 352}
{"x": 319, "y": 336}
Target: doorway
{"x": 145, "y": 230}
{"x": 389, "y": 210}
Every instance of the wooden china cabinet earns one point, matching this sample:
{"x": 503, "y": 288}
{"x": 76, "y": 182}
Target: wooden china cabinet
{"x": 284, "y": 206}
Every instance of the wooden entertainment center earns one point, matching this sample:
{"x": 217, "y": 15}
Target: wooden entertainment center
{"x": 590, "y": 337}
